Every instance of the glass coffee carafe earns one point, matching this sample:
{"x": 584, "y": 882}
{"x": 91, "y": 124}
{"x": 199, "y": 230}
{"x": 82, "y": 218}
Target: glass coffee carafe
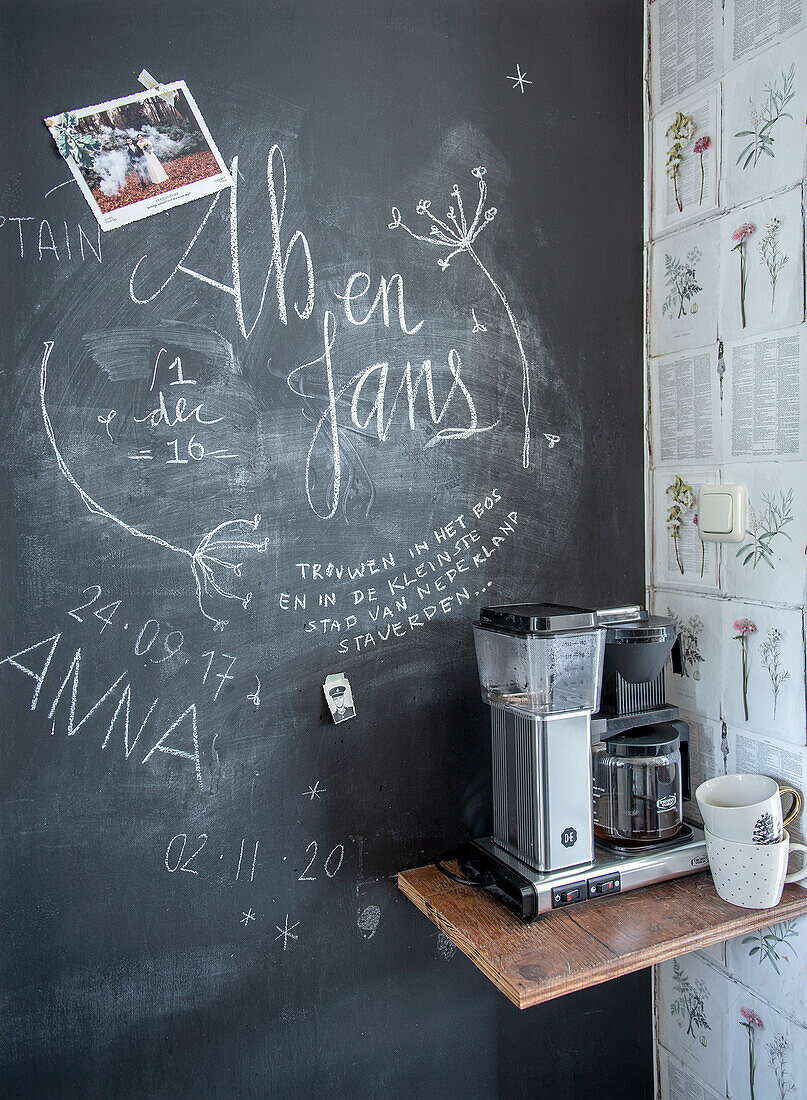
{"x": 638, "y": 786}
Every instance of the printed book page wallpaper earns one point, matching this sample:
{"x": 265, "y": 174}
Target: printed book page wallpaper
{"x": 727, "y": 392}
{"x": 718, "y": 1038}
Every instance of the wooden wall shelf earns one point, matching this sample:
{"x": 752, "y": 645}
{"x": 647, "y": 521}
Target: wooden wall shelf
{"x": 586, "y": 944}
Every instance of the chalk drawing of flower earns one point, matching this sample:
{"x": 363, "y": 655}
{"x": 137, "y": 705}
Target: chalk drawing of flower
{"x": 216, "y": 559}
{"x": 456, "y": 233}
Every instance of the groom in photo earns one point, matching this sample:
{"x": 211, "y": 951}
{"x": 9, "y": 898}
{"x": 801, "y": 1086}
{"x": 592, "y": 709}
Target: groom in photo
{"x": 137, "y": 161}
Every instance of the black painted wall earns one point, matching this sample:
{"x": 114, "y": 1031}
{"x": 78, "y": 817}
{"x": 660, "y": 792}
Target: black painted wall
{"x": 131, "y": 966}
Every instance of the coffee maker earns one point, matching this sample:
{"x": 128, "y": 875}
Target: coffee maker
{"x": 590, "y": 764}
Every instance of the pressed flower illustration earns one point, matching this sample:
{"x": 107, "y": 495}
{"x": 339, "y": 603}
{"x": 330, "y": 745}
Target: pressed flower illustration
{"x": 700, "y": 147}
{"x": 690, "y": 1004}
{"x": 681, "y": 281}
{"x": 764, "y": 527}
{"x": 689, "y": 631}
{"x": 765, "y": 117}
{"x": 750, "y": 1021}
{"x": 770, "y": 253}
{"x": 770, "y": 651}
{"x": 778, "y": 1054}
{"x": 682, "y": 500}
{"x": 745, "y": 628}
{"x": 739, "y": 237}
{"x": 456, "y": 234}
{"x": 769, "y": 942}
{"x": 679, "y": 134}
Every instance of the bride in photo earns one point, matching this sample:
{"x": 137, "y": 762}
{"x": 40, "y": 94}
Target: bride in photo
{"x": 155, "y": 171}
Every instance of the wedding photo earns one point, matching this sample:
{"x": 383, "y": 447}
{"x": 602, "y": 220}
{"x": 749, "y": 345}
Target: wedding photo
{"x": 135, "y": 156}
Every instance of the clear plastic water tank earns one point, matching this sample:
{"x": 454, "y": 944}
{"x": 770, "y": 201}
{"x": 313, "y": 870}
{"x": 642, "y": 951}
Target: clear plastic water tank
{"x": 540, "y": 659}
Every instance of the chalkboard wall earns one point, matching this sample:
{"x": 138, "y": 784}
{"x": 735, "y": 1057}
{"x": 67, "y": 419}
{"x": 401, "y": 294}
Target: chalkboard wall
{"x": 410, "y": 339}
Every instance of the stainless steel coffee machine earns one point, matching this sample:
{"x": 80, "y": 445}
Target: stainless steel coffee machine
{"x": 563, "y": 683}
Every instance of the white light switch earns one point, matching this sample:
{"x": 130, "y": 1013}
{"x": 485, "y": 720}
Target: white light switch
{"x": 714, "y": 514}
{"x": 721, "y": 513}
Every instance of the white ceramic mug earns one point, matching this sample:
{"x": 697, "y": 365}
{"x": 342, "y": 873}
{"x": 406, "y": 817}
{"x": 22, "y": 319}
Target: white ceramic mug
{"x": 746, "y": 808}
{"x": 752, "y": 875}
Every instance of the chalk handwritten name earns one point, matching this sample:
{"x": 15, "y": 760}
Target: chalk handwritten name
{"x": 177, "y": 738}
{"x": 435, "y": 391}
{"x": 43, "y": 242}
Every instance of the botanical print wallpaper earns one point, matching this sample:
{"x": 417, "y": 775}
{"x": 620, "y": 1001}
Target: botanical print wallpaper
{"x": 727, "y": 390}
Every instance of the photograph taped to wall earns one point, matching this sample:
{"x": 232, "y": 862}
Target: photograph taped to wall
{"x": 765, "y": 407}
{"x": 683, "y": 55}
{"x": 762, "y": 266}
{"x": 685, "y": 408}
{"x": 680, "y": 558}
{"x": 699, "y": 620}
{"x": 686, "y": 155}
{"x": 769, "y": 564}
{"x": 764, "y": 107}
{"x": 691, "y": 1001}
{"x": 141, "y": 154}
{"x": 762, "y": 682}
{"x": 684, "y": 287}
{"x": 764, "y": 1044}
{"x": 753, "y": 25}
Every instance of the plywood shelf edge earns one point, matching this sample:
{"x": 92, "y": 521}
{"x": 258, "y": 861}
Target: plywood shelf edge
{"x": 585, "y": 945}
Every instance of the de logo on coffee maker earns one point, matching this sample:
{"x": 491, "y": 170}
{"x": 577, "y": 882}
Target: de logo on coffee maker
{"x": 568, "y": 837}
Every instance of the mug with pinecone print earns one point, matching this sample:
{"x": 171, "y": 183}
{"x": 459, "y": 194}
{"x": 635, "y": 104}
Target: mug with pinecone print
{"x": 746, "y": 808}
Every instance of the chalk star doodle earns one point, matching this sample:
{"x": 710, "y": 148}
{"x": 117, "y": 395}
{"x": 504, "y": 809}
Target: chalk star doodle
{"x": 247, "y": 917}
{"x": 551, "y": 439}
{"x": 286, "y": 932}
{"x": 107, "y": 420}
{"x": 255, "y": 697}
{"x": 314, "y": 792}
{"x": 520, "y": 80}
{"x": 210, "y": 561}
{"x": 458, "y": 237}
{"x": 478, "y": 326}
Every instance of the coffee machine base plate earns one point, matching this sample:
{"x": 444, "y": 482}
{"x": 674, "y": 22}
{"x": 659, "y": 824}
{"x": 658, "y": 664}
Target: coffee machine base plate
{"x": 529, "y": 893}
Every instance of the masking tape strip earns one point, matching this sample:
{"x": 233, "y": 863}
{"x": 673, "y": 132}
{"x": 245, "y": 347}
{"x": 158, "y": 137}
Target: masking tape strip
{"x": 148, "y": 81}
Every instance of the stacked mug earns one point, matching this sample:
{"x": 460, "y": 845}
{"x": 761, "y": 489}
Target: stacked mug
{"x": 746, "y": 841}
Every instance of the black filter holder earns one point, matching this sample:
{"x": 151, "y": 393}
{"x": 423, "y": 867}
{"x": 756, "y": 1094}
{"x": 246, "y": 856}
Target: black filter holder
{"x": 636, "y": 651}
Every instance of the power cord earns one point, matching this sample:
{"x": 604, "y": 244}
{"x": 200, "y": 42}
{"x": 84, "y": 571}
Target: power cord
{"x": 485, "y": 879}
